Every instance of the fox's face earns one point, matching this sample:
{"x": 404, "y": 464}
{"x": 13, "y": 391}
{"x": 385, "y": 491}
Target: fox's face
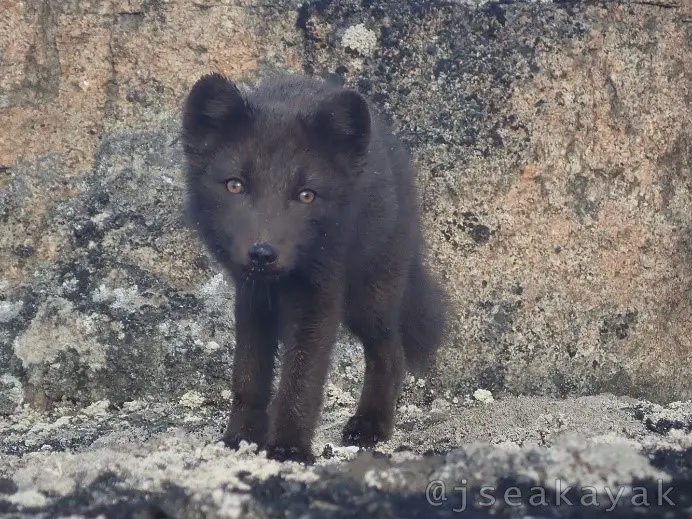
{"x": 267, "y": 184}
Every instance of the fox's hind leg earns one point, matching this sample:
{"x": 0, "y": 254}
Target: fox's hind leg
{"x": 373, "y": 316}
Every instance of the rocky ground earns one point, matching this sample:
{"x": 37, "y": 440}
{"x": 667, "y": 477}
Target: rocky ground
{"x": 553, "y": 144}
{"x": 148, "y": 459}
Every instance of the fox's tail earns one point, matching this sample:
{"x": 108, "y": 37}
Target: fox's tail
{"x": 423, "y": 318}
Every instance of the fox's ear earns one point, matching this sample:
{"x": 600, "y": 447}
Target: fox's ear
{"x": 342, "y": 123}
{"x": 214, "y": 111}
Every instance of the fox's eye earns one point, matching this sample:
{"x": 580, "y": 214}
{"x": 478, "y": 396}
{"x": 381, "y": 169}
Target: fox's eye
{"x": 235, "y": 186}
{"x": 306, "y": 196}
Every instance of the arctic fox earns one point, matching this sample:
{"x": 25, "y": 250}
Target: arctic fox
{"x": 303, "y": 194}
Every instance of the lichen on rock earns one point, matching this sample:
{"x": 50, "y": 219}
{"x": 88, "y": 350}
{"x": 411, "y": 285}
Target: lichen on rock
{"x": 552, "y": 143}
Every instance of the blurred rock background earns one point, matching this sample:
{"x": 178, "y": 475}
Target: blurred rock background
{"x": 554, "y": 148}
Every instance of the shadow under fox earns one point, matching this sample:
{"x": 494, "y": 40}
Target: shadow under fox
{"x": 308, "y": 200}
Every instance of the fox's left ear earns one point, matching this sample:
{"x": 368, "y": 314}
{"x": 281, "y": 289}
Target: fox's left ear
{"x": 215, "y": 111}
{"x": 342, "y": 123}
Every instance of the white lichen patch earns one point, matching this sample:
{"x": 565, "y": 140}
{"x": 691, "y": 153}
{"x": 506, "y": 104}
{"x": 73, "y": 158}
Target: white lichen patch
{"x": 612, "y": 438}
{"x": 99, "y": 218}
{"x": 118, "y": 290}
{"x": 9, "y": 310}
{"x": 390, "y": 479}
{"x": 134, "y": 405}
{"x": 45, "y": 472}
{"x": 12, "y": 390}
{"x": 410, "y": 411}
{"x": 24, "y": 419}
{"x": 483, "y": 395}
{"x": 28, "y": 499}
{"x": 227, "y": 505}
{"x": 97, "y": 409}
{"x": 212, "y": 347}
{"x": 58, "y": 327}
{"x": 360, "y": 39}
{"x": 572, "y": 459}
{"x": 183, "y": 332}
{"x": 209, "y": 472}
{"x": 192, "y": 399}
{"x": 673, "y": 412}
{"x": 119, "y": 298}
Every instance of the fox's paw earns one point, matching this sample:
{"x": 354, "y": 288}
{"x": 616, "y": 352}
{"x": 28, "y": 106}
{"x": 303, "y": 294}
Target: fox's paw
{"x": 292, "y": 453}
{"x": 232, "y": 440}
{"x": 365, "y": 431}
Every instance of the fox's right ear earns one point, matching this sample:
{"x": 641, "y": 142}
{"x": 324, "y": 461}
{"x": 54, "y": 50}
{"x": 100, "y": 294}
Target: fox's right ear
{"x": 214, "y": 112}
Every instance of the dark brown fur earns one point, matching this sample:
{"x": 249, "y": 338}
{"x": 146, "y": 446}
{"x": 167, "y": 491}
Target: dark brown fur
{"x": 353, "y": 255}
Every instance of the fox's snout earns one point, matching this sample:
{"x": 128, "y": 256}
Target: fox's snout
{"x": 262, "y": 255}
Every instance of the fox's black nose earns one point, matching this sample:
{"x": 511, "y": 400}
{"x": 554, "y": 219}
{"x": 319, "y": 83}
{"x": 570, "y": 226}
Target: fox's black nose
{"x": 262, "y": 254}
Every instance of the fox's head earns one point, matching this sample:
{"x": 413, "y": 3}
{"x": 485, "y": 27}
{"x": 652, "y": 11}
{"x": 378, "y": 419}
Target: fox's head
{"x": 270, "y": 176}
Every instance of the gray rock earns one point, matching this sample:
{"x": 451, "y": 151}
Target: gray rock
{"x": 163, "y": 460}
{"x": 555, "y": 199}
{"x": 552, "y": 143}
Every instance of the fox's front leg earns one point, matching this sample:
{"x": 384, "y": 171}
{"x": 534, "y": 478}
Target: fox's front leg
{"x": 256, "y": 343}
{"x": 295, "y": 411}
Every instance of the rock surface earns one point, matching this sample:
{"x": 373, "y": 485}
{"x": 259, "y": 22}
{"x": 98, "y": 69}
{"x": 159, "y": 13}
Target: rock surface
{"x": 552, "y": 141}
{"x": 553, "y": 146}
{"x": 147, "y": 459}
